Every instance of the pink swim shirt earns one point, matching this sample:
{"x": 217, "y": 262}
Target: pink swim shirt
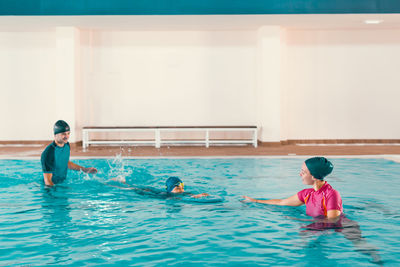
{"x": 319, "y": 202}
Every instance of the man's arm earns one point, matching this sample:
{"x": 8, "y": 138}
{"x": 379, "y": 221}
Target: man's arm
{"x": 48, "y": 179}
{"x": 76, "y": 167}
{"x": 290, "y": 201}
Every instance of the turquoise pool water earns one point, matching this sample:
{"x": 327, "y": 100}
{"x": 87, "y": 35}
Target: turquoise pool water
{"x": 85, "y": 221}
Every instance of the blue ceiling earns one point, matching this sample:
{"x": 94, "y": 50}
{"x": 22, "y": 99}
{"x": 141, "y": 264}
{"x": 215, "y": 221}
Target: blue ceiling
{"x": 199, "y": 7}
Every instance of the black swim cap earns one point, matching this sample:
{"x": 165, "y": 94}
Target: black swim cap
{"x": 61, "y": 127}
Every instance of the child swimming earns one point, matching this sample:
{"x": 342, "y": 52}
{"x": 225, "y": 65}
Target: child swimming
{"x": 173, "y": 185}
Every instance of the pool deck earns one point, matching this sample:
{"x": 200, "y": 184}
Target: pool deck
{"x": 34, "y": 150}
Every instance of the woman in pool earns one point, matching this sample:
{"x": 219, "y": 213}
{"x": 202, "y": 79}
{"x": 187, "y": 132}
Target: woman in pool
{"x": 322, "y": 201}
{"x": 325, "y": 204}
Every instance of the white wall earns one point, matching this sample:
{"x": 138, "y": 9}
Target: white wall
{"x": 167, "y": 78}
{"x": 334, "y": 85}
{"x": 270, "y": 74}
{"x": 27, "y": 70}
{"x": 343, "y": 84}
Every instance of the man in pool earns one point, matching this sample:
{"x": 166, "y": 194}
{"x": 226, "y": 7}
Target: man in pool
{"x": 55, "y": 158}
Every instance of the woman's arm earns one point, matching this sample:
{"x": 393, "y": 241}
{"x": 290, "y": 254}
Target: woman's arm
{"x": 290, "y": 201}
{"x": 333, "y": 214}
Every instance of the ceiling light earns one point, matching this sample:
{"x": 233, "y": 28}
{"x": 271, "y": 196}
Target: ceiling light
{"x": 373, "y": 21}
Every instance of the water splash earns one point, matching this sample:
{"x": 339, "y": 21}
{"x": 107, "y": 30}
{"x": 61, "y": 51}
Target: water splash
{"x": 118, "y": 169}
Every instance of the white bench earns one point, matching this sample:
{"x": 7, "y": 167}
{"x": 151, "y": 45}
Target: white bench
{"x": 157, "y": 141}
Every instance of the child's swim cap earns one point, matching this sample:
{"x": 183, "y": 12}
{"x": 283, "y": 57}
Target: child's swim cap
{"x": 172, "y": 182}
{"x": 61, "y": 127}
{"x": 319, "y": 167}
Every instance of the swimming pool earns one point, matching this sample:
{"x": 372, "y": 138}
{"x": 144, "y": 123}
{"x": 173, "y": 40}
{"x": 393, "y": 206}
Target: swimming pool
{"x": 85, "y": 221}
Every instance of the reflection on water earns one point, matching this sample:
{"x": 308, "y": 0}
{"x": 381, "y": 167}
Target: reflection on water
{"x": 84, "y": 222}
{"x": 350, "y": 230}
{"x": 57, "y": 222}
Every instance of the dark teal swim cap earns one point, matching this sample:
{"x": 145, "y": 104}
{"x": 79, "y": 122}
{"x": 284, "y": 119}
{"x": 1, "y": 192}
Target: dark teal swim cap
{"x": 61, "y": 127}
{"x": 319, "y": 167}
{"x": 171, "y": 183}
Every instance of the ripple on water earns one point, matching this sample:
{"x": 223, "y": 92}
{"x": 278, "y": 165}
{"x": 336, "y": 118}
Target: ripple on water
{"x": 86, "y": 221}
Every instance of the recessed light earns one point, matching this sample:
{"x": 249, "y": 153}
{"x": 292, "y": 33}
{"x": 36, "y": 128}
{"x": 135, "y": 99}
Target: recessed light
{"x": 373, "y": 21}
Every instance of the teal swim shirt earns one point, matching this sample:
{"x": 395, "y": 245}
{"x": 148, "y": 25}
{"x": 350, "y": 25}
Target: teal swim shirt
{"x": 55, "y": 160}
